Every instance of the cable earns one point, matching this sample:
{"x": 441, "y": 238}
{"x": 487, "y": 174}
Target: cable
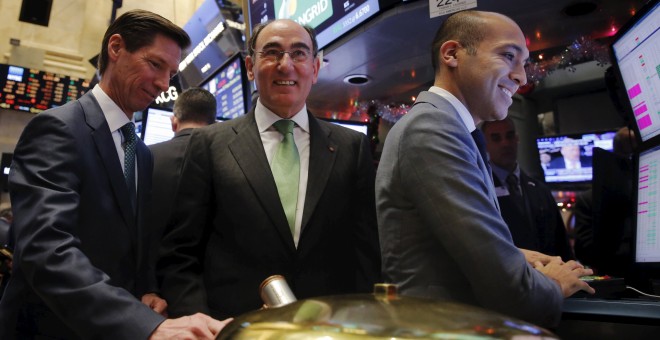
{"x": 640, "y": 292}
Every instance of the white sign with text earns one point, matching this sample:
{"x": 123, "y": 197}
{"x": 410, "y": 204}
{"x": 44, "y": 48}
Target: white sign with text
{"x": 443, "y": 7}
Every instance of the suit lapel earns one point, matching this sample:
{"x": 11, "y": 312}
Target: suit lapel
{"x": 322, "y": 154}
{"x": 106, "y": 150}
{"x": 248, "y": 151}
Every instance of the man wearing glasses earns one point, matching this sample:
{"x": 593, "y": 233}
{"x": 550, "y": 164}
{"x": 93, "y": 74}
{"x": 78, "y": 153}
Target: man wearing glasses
{"x": 276, "y": 191}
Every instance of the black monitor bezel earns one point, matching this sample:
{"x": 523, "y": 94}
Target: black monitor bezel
{"x": 620, "y": 33}
{"x": 651, "y": 144}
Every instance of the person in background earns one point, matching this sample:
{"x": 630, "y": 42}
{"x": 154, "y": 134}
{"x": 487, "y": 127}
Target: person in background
{"x": 194, "y": 108}
{"x": 604, "y": 213}
{"x": 79, "y": 185}
{"x": 526, "y": 204}
{"x": 441, "y": 232}
{"x": 6, "y": 217}
{"x": 276, "y": 191}
{"x": 570, "y": 158}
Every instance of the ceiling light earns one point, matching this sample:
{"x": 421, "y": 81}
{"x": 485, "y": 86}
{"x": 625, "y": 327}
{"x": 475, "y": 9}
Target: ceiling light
{"x": 356, "y": 79}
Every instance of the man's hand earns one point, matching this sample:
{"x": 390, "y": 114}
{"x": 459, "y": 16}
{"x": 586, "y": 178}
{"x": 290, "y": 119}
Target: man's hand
{"x": 567, "y": 275}
{"x": 198, "y": 326}
{"x": 534, "y": 256}
{"x": 156, "y": 303}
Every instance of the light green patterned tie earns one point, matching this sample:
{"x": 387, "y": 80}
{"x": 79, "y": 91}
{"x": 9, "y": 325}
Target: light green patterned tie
{"x": 286, "y": 170}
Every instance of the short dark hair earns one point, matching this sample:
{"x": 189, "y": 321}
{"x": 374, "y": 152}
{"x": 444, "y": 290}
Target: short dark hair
{"x": 485, "y": 124}
{"x": 466, "y": 27}
{"x": 195, "y": 105}
{"x": 252, "y": 42}
{"x": 138, "y": 28}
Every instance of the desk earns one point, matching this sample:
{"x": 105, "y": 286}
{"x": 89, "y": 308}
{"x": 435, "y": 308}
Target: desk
{"x": 590, "y": 318}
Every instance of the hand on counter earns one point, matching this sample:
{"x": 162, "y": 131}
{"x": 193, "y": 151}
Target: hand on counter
{"x": 566, "y": 275}
{"x": 198, "y": 326}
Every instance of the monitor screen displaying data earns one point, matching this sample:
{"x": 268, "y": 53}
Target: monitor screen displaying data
{"x": 32, "y": 90}
{"x": 636, "y": 51}
{"x": 230, "y": 89}
{"x": 156, "y": 125}
{"x": 647, "y": 240}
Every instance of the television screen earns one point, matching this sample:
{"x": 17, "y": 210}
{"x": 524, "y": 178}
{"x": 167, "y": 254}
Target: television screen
{"x": 636, "y": 55}
{"x": 568, "y": 158}
{"x": 156, "y": 125}
{"x": 216, "y": 31}
{"x": 230, "y": 87}
{"x": 330, "y": 19}
{"x": 647, "y": 235}
{"x": 32, "y": 90}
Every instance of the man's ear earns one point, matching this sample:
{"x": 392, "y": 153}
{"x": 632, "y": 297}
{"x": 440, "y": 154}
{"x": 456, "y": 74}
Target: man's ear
{"x": 449, "y": 53}
{"x": 175, "y": 123}
{"x": 249, "y": 64}
{"x": 115, "y": 44}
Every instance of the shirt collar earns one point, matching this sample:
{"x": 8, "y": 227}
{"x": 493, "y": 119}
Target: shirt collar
{"x": 502, "y": 173}
{"x": 265, "y": 118}
{"x": 463, "y": 112}
{"x": 115, "y": 117}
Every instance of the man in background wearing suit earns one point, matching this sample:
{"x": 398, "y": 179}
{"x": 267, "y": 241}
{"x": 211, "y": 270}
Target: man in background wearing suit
{"x": 194, "y": 108}
{"x": 527, "y": 205}
{"x": 79, "y": 185}
{"x": 254, "y": 201}
{"x": 440, "y": 228}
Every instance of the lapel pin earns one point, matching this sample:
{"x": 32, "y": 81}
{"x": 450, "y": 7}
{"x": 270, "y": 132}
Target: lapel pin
{"x": 331, "y": 148}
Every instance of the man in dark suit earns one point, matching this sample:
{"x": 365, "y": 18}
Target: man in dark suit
{"x": 526, "y": 204}
{"x": 440, "y": 228}
{"x": 79, "y": 185}
{"x": 194, "y": 108}
{"x": 239, "y": 219}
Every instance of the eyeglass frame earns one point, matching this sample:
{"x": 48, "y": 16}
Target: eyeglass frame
{"x": 280, "y": 54}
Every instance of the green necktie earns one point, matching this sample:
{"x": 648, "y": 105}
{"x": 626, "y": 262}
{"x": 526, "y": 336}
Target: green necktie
{"x": 286, "y": 171}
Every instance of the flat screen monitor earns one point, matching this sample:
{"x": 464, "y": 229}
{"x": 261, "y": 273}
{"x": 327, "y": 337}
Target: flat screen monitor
{"x": 647, "y": 224}
{"x": 330, "y": 19}
{"x": 33, "y": 90}
{"x": 568, "y": 158}
{"x": 156, "y": 125}
{"x": 636, "y": 54}
{"x": 230, "y": 87}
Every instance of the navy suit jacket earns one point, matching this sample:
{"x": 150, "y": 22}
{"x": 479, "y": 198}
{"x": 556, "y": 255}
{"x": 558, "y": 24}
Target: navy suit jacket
{"x": 229, "y": 232}
{"x": 78, "y": 258}
{"x": 441, "y": 232}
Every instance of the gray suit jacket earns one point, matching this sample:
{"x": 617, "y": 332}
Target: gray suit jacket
{"x": 229, "y": 232}
{"x": 79, "y": 257}
{"x": 440, "y": 230}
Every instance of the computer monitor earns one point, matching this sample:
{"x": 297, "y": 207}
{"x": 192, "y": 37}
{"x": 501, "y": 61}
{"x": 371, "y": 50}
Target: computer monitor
{"x": 156, "y": 125}
{"x": 636, "y": 54}
{"x": 230, "y": 87}
{"x": 567, "y": 159}
{"x": 647, "y": 210}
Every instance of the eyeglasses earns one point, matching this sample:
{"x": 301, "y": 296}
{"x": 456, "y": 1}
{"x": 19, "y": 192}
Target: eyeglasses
{"x": 298, "y": 55}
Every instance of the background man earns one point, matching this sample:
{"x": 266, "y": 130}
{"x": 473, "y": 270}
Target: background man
{"x": 254, "y": 201}
{"x": 79, "y": 186}
{"x": 570, "y": 157}
{"x": 440, "y": 228}
{"x": 195, "y": 107}
{"x": 526, "y": 204}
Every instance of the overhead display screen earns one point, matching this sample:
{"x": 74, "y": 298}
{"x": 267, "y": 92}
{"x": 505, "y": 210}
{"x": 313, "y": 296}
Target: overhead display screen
{"x": 32, "y": 90}
{"x": 229, "y": 87}
{"x": 330, "y": 19}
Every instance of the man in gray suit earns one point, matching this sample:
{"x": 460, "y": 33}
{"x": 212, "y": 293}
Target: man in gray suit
{"x": 440, "y": 228}
{"x": 233, "y": 226}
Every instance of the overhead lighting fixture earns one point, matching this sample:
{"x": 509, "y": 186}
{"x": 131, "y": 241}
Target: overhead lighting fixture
{"x": 356, "y": 79}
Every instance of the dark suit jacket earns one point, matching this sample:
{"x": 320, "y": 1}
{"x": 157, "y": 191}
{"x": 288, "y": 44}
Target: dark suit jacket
{"x": 540, "y": 227}
{"x": 560, "y": 163}
{"x": 229, "y": 231}
{"x": 78, "y": 254}
{"x": 441, "y": 232}
{"x": 168, "y": 162}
